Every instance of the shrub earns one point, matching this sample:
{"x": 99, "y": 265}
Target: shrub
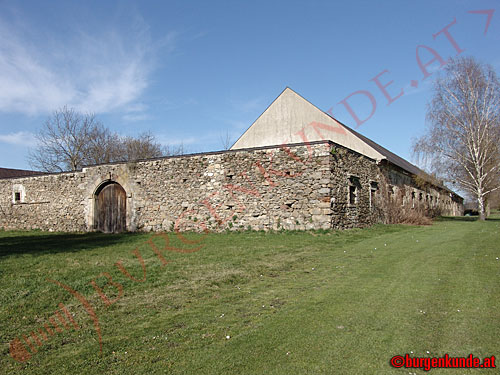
{"x": 391, "y": 209}
{"x": 396, "y": 213}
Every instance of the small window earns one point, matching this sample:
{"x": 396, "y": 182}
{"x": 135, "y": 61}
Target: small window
{"x": 373, "y": 191}
{"x": 354, "y": 187}
{"x": 352, "y": 195}
{"x": 17, "y": 196}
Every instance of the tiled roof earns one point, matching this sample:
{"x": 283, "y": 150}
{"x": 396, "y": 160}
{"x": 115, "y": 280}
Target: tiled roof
{"x": 392, "y": 157}
{"x": 12, "y": 173}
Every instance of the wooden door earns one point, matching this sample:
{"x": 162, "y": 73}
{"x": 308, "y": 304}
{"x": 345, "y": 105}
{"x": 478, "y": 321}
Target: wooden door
{"x": 111, "y": 205}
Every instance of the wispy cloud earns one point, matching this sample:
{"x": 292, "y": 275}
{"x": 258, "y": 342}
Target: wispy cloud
{"x": 90, "y": 70}
{"x": 19, "y": 138}
{"x": 247, "y": 105}
{"x": 423, "y": 86}
{"x": 134, "y": 117}
{"x": 205, "y": 142}
{"x": 240, "y": 125}
{"x": 169, "y": 141}
{"x": 136, "y": 112}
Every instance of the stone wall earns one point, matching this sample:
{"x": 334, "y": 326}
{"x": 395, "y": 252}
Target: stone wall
{"x": 314, "y": 186}
{"x": 266, "y": 188}
{"x": 51, "y": 202}
{"x": 350, "y": 169}
{"x": 411, "y": 194}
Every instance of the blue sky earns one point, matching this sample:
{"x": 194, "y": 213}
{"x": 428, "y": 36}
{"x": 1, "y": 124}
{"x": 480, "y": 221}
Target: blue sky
{"x": 190, "y": 72}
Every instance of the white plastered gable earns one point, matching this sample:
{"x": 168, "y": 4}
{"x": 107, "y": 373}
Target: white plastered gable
{"x": 292, "y": 119}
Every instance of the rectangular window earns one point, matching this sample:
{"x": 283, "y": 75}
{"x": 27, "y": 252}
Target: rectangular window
{"x": 373, "y": 192}
{"x": 352, "y": 195}
{"x": 354, "y": 189}
{"x": 17, "y": 197}
{"x": 390, "y": 192}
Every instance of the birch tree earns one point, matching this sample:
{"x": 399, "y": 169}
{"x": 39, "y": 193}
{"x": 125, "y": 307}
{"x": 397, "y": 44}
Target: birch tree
{"x": 462, "y": 139}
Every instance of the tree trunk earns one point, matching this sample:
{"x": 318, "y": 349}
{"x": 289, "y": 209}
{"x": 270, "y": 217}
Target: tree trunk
{"x": 480, "y": 201}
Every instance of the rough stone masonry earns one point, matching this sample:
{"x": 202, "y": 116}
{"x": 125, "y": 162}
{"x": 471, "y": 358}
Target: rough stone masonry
{"x": 318, "y": 185}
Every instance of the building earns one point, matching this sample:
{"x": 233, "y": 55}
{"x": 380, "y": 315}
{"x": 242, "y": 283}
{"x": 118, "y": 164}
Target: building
{"x": 296, "y": 167}
{"x": 10, "y": 173}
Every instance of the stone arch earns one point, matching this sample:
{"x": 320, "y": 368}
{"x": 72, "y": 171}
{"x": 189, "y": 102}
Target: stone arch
{"x": 110, "y": 207}
{"x": 114, "y": 173}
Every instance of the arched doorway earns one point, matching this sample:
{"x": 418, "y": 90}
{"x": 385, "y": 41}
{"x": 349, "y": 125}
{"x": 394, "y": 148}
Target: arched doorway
{"x": 110, "y": 208}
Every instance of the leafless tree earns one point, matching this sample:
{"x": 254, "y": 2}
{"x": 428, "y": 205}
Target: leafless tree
{"x": 103, "y": 146}
{"x": 463, "y": 136}
{"x": 70, "y": 140}
{"x": 63, "y": 140}
{"x": 226, "y": 141}
{"x": 174, "y": 150}
{"x": 144, "y": 146}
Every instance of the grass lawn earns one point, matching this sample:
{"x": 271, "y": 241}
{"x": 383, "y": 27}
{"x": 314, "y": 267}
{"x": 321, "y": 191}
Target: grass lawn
{"x": 254, "y": 303}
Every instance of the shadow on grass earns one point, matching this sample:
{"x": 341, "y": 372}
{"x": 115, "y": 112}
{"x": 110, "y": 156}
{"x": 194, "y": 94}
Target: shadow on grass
{"x": 465, "y": 218}
{"x": 456, "y": 218}
{"x": 42, "y": 243}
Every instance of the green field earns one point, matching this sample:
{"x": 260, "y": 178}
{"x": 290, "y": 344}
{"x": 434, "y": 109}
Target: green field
{"x": 255, "y": 303}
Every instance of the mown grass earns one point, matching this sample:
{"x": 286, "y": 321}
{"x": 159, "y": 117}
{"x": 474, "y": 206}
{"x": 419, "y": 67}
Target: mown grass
{"x": 290, "y": 303}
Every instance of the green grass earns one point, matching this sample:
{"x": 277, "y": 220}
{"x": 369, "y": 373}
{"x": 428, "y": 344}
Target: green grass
{"x": 291, "y": 302}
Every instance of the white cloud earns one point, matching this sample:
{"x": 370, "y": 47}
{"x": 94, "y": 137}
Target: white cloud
{"x": 98, "y": 71}
{"x": 19, "y": 138}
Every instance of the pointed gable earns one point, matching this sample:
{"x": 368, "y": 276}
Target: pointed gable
{"x": 292, "y": 119}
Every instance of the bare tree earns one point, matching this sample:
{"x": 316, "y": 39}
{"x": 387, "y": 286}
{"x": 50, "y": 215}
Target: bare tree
{"x": 144, "y": 146}
{"x": 103, "y": 146}
{"x": 226, "y": 141}
{"x": 175, "y": 150}
{"x": 63, "y": 140}
{"x": 463, "y": 136}
{"x": 70, "y": 140}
